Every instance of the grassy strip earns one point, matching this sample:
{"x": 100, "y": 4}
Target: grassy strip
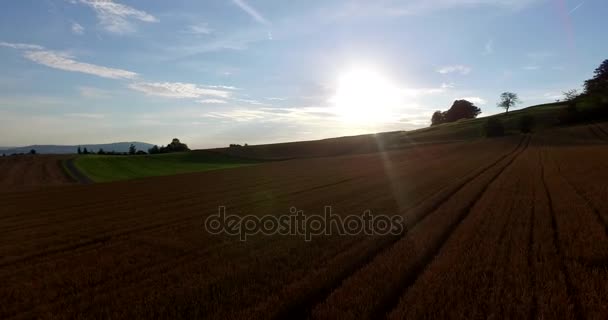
{"x": 105, "y": 168}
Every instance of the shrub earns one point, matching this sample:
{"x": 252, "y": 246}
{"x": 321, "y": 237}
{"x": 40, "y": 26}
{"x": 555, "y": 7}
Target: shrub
{"x": 494, "y": 128}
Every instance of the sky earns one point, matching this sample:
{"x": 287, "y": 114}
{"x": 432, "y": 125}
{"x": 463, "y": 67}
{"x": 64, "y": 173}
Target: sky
{"x": 217, "y": 72}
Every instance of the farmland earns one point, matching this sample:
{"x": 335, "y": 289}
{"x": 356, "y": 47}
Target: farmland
{"x": 104, "y": 168}
{"x": 512, "y": 227}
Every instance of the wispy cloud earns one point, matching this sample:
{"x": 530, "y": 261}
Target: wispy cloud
{"x": 21, "y": 46}
{"x": 464, "y": 70}
{"x": 64, "y": 61}
{"x": 77, "y": 29}
{"x": 199, "y": 29}
{"x": 489, "y": 47}
{"x": 212, "y": 101}
{"x": 537, "y": 55}
{"x": 577, "y": 7}
{"x": 476, "y": 100}
{"x": 178, "y": 90}
{"x": 415, "y": 7}
{"x": 115, "y": 17}
{"x": 86, "y": 115}
{"x": 94, "y": 93}
{"x": 251, "y": 11}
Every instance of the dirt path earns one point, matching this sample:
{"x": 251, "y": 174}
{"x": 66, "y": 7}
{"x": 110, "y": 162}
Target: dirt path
{"x": 75, "y": 173}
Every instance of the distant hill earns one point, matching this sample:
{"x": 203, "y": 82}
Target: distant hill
{"x": 57, "y": 149}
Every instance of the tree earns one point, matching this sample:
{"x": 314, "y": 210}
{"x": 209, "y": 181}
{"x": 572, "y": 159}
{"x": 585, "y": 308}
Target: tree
{"x": 508, "y": 100}
{"x": 33, "y": 151}
{"x": 570, "y": 95}
{"x": 79, "y": 150}
{"x": 101, "y": 151}
{"x": 461, "y": 109}
{"x": 132, "y": 149}
{"x": 437, "y": 118}
{"x": 154, "y": 150}
{"x": 176, "y": 146}
{"x": 598, "y": 85}
{"x": 85, "y": 151}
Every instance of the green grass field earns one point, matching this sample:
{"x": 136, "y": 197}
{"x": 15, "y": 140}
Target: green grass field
{"x": 105, "y": 168}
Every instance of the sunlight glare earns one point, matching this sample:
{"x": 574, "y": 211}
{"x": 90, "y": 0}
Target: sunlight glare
{"x": 365, "y": 96}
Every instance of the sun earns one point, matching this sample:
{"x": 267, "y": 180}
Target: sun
{"x": 364, "y": 95}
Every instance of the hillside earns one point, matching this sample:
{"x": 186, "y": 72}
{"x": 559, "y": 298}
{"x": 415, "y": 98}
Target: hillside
{"x": 545, "y": 115}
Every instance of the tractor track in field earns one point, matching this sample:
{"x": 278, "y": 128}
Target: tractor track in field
{"x": 303, "y": 309}
{"x": 601, "y": 129}
{"x": 570, "y": 288}
{"x": 392, "y": 302}
{"x": 101, "y": 288}
{"x": 598, "y": 131}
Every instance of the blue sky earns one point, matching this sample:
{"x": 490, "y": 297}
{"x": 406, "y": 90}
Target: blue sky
{"x": 216, "y": 72}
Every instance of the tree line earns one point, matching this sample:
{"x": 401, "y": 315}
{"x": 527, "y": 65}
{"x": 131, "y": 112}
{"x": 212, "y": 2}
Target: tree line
{"x": 174, "y": 146}
{"x": 591, "y": 104}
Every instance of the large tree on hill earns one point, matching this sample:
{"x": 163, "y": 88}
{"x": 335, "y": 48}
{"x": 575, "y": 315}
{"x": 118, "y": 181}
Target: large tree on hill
{"x": 598, "y": 85}
{"x": 437, "y": 118}
{"x": 462, "y": 109}
{"x": 508, "y": 100}
{"x": 175, "y": 146}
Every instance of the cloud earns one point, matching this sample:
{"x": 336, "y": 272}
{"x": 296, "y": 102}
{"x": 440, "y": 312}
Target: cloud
{"x": 212, "y": 101}
{"x": 464, "y": 70}
{"x": 65, "y": 62}
{"x": 577, "y": 7}
{"x": 251, "y": 11}
{"x": 531, "y": 68}
{"x": 178, "y": 90}
{"x": 476, "y": 100}
{"x": 538, "y": 55}
{"x": 489, "y": 47}
{"x": 77, "y": 29}
{"x": 199, "y": 29}
{"x": 115, "y": 17}
{"x": 85, "y": 115}
{"x": 358, "y": 8}
{"x": 94, "y": 93}
{"x": 21, "y": 46}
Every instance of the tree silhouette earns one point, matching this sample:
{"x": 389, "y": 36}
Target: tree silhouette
{"x": 508, "y": 100}
{"x": 437, "y": 118}
{"x": 462, "y": 109}
{"x": 132, "y": 149}
{"x": 598, "y": 85}
{"x": 79, "y": 150}
{"x": 570, "y": 95}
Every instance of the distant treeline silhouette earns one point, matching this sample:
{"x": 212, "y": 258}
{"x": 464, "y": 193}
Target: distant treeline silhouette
{"x": 174, "y": 146}
{"x": 591, "y": 105}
